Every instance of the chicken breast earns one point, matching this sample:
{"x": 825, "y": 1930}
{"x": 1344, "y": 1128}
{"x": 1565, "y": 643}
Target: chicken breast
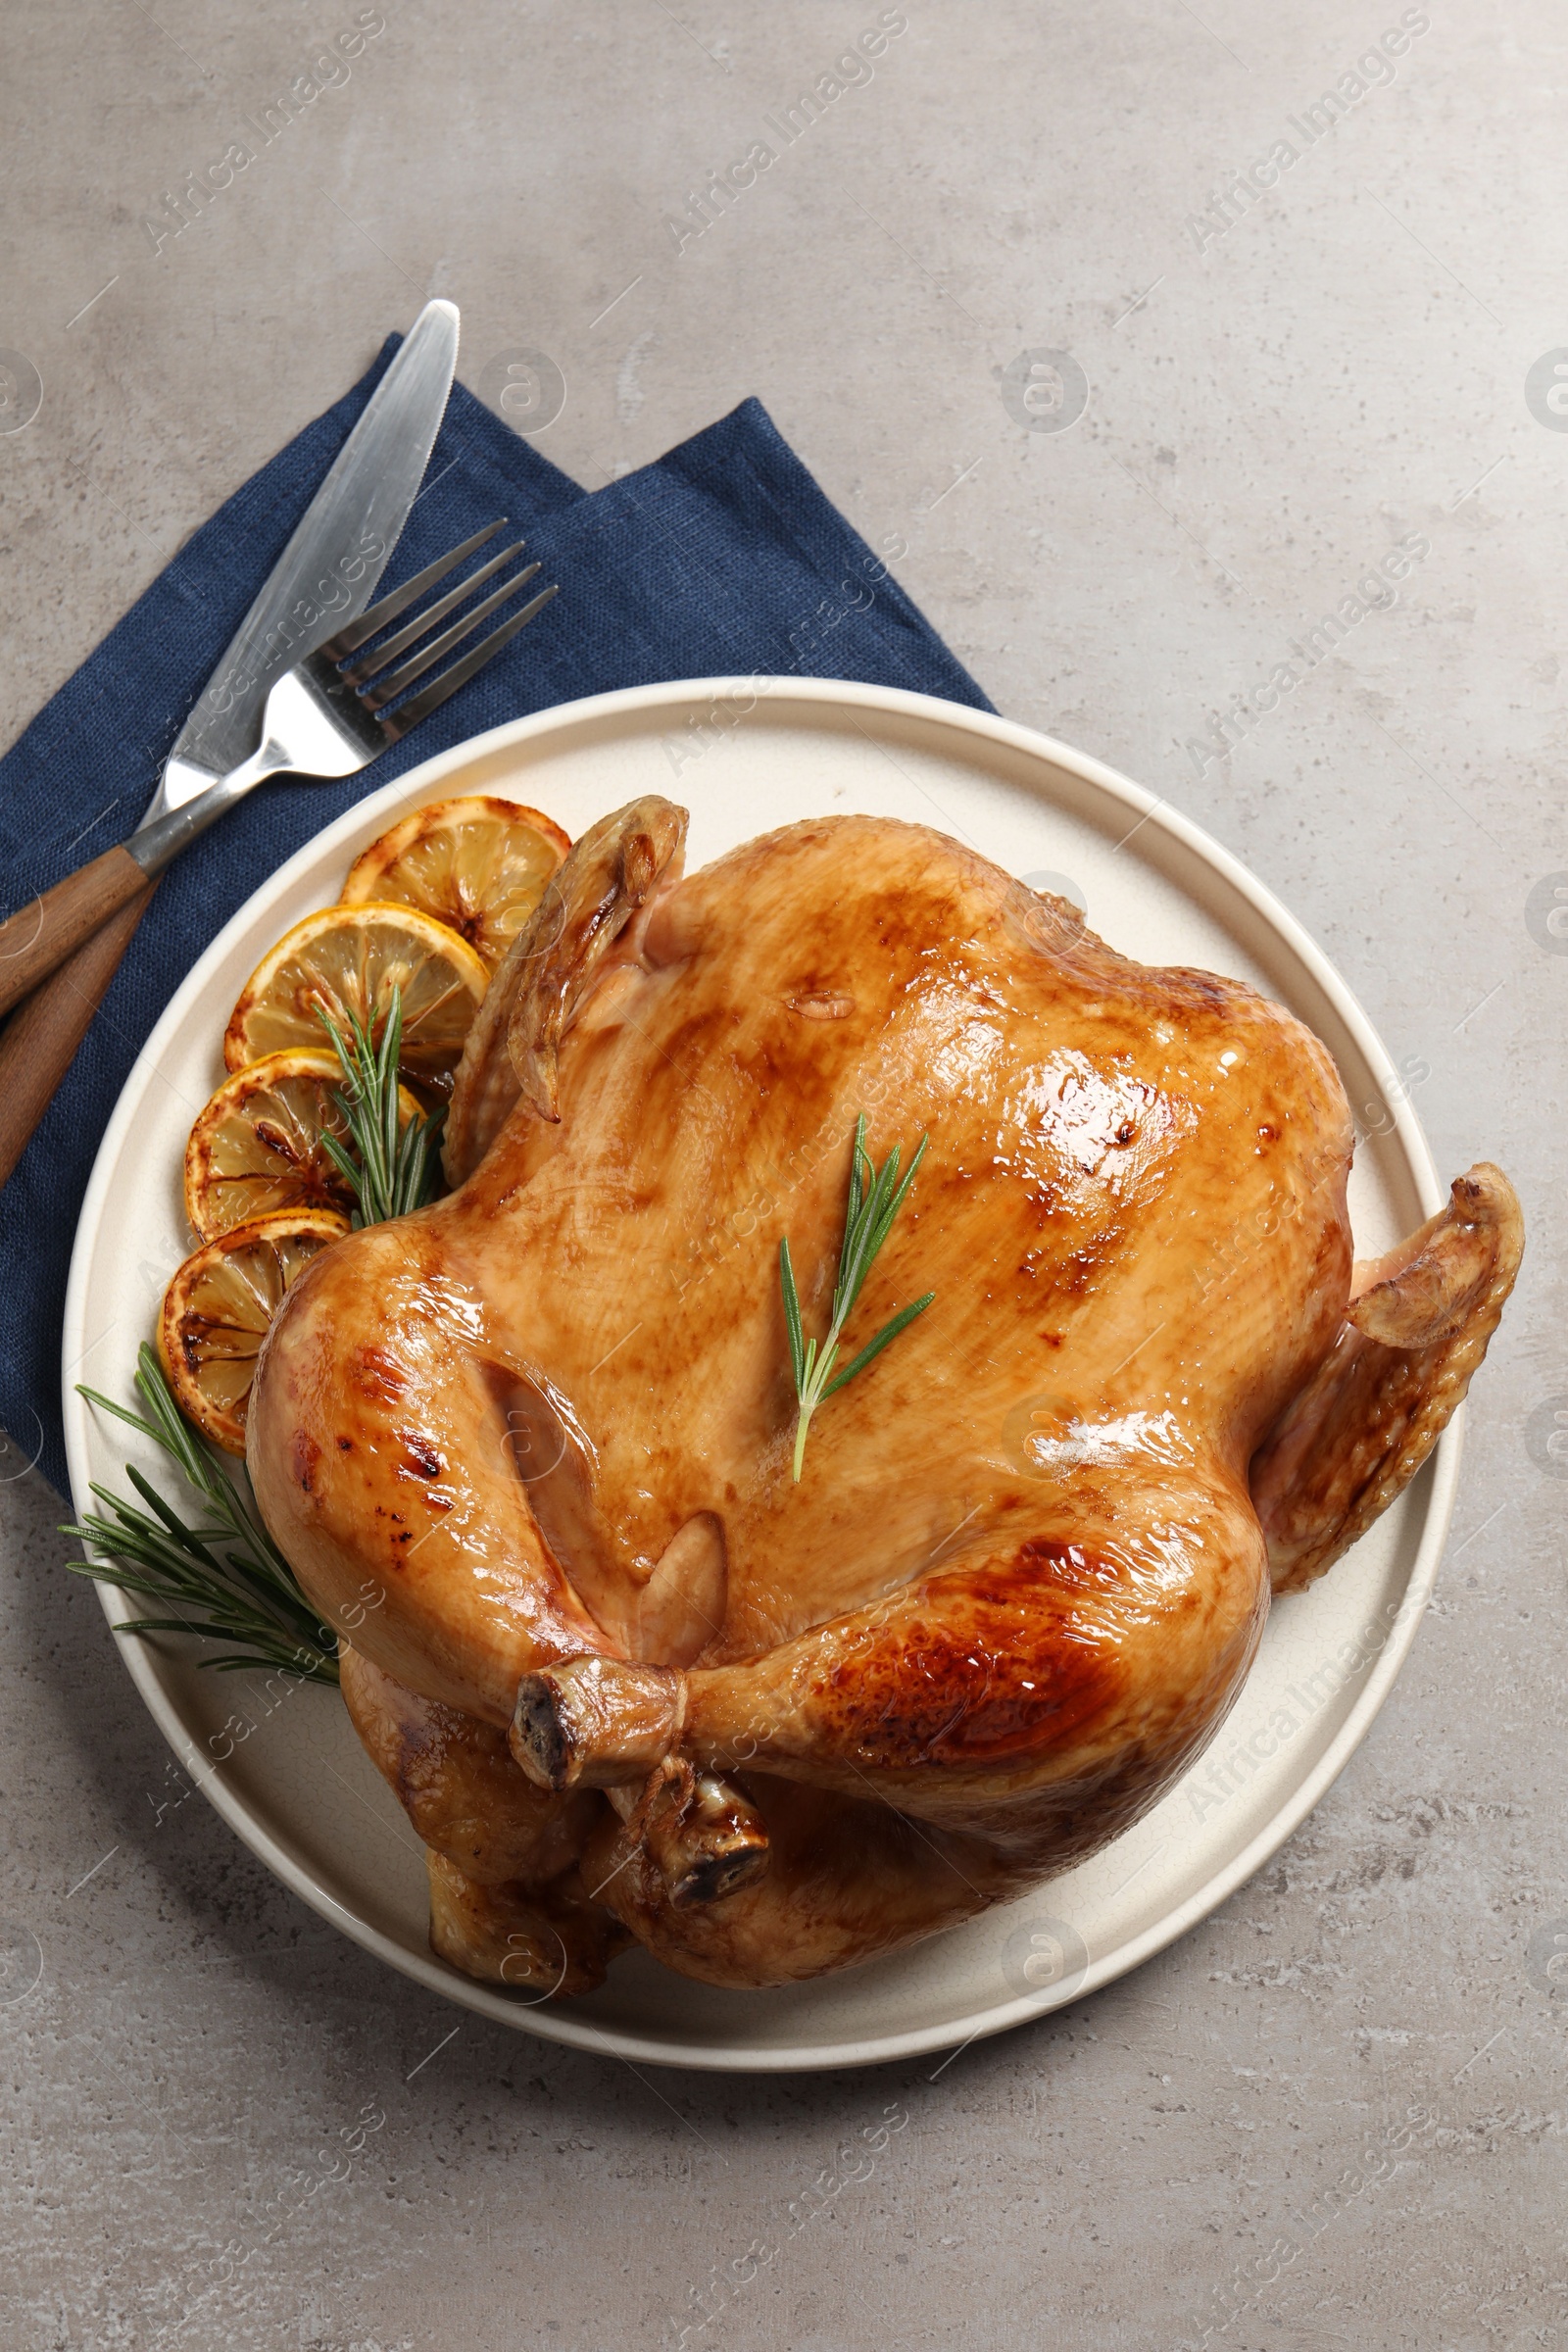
{"x": 550, "y": 1420}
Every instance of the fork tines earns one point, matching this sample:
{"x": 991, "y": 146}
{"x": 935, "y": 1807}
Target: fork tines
{"x": 374, "y": 685}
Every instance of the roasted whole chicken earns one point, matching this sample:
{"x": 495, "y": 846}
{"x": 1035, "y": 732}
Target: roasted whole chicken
{"x": 534, "y": 1445}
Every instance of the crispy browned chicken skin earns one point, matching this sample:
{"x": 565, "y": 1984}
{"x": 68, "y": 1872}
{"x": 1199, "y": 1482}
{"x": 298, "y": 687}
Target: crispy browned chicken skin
{"x": 625, "y": 1673}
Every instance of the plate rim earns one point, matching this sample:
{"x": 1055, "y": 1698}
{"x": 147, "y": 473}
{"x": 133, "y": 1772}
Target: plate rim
{"x": 561, "y": 2026}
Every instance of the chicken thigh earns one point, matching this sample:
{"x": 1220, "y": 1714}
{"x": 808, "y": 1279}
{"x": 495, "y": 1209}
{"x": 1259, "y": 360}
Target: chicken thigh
{"x": 775, "y": 1728}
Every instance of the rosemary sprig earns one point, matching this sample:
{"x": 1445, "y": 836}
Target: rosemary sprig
{"x": 392, "y": 1166}
{"x": 876, "y": 1197}
{"x": 226, "y": 1578}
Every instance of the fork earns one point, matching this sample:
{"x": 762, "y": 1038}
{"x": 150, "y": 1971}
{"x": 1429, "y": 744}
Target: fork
{"x": 330, "y": 715}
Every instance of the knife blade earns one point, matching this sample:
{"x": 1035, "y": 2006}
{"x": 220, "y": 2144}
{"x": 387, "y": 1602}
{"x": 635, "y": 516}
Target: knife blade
{"x": 328, "y": 572}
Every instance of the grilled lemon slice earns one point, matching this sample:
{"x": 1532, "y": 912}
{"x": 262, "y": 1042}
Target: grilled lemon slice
{"x": 217, "y": 1310}
{"x": 256, "y": 1149}
{"x": 479, "y": 866}
{"x": 348, "y": 960}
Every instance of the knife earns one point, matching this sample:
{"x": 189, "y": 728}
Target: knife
{"x": 324, "y": 578}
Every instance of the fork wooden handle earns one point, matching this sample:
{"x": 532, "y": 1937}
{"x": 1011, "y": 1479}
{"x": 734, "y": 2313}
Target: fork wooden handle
{"x": 38, "y": 937}
{"x": 39, "y": 1042}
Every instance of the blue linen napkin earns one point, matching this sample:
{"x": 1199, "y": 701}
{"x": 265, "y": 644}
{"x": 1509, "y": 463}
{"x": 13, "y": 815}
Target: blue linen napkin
{"x": 722, "y": 558}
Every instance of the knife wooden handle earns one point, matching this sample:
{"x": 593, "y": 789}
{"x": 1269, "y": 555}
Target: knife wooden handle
{"x": 41, "y": 1037}
{"x": 38, "y": 937}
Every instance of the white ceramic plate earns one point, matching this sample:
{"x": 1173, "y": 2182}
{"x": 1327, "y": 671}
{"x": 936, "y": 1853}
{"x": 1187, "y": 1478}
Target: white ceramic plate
{"x": 281, "y": 1763}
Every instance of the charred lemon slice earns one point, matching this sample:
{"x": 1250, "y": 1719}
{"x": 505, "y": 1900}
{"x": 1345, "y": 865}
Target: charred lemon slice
{"x": 257, "y": 1148}
{"x": 479, "y": 866}
{"x": 347, "y": 960}
{"x": 217, "y": 1310}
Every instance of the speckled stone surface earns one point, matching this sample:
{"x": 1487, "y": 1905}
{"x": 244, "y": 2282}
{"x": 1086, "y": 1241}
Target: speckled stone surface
{"x": 1336, "y": 2115}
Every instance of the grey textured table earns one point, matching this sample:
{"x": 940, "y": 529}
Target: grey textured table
{"x": 1334, "y": 2115}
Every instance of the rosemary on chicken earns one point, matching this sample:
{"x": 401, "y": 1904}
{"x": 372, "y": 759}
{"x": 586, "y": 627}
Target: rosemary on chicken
{"x": 876, "y": 1195}
{"x": 224, "y": 1577}
{"x": 389, "y": 1163}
